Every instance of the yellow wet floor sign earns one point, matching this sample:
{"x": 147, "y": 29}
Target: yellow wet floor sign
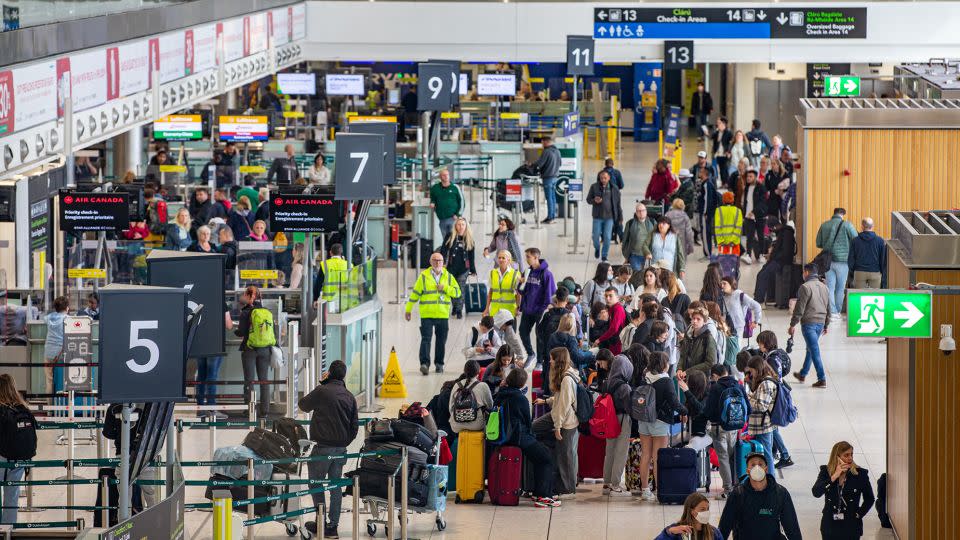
{"x": 393, "y": 386}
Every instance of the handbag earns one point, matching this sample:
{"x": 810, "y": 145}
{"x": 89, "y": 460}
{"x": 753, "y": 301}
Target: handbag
{"x": 824, "y": 259}
{"x": 276, "y": 359}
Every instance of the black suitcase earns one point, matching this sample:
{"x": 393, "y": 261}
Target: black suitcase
{"x": 414, "y": 435}
{"x": 270, "y": 445}
{"x": 390, "y": 464}
{"x": 426, "y": 249}
{"x": 240, "y": 493}
{"x": 787, "y": 284}
{"x": 291, "y": 429}
{"x": 677, "y": 475}
{"x": 475, "y": 297}
{"x": 374, "y": 484}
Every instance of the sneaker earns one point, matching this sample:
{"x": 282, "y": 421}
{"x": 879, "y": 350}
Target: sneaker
{"x": 566, "y": 496}
{"x": 799, "y": 377}
{"x": 546, "y": 220}
{"x": 784, "y": 463}
{"x": 439, "y": 368}
{"x": 746, "y": 259}
{"x": 330, "y": 532}
{"x": 648, "y": 496}
{"x": 606, "y": 490}
{"x": 596, "y": 254}
{"x": 820, "y": 384}
{"x": 545, "y": 502}
{"x": 219, "y": 416}
{"x": 550, "y": 221}
{"x": 722, "y": 496}
{"x": 619, "y": 492}
{"x": 459, "y": 314}
{"x": 424, "y": 369}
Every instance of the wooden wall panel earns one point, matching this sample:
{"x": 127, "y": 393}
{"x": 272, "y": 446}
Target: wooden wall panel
{"x": 899, "y": 400}
{"x": 891, "y": 169}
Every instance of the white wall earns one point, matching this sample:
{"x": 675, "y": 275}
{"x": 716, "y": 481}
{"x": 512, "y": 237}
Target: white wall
{"x": 745, "y": 88}
{"x": 535, "y": 32}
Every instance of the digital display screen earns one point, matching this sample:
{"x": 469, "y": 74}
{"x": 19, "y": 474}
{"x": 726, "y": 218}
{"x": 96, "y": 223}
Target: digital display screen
{"x": 464, "y": 87}
{"x": 297, "y": 84}
{"x": 344, "y": 85}
{"x": 244, "y": 128}
{"x": 496, "y": 84}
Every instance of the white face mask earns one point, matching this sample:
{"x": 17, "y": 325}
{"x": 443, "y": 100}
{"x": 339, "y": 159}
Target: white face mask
{"x": 757, "y": 473}
{"x": 703, "y": 517}
{"x": 610, "y": 276}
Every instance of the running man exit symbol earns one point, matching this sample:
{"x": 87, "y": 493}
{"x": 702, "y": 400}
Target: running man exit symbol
{"x": 870, "y": 322}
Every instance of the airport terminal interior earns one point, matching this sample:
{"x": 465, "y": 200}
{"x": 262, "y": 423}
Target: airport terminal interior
{"x": 465, "y": 270}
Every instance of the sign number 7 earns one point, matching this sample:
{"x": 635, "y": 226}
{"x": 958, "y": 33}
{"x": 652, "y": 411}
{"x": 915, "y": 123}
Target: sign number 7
{"x": 363, "y": 157}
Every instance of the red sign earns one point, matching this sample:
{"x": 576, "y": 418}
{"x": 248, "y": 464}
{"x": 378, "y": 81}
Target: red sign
{"x": 113, "y": 73}
{"x": 188, "y": 52}
{"x": 63, "y": 84}
{"x": 6, "y": 102}
{"x": 154, "y": 58}
{"x": 514, "y": 190}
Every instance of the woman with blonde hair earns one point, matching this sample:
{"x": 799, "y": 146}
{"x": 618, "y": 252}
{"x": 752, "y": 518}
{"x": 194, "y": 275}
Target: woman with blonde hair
{"x": 13, "y": 412}
{"x": 562, "y": 419}
{"x": 694, "y": 523}
{"x": 458, "y": 252}
{"x": 847, "y": 492}
{"x": 677, "y": 214}
{"x": 296, "y": 267}
{"x": 566, "y": 337}
{"x": 178, "y": 232}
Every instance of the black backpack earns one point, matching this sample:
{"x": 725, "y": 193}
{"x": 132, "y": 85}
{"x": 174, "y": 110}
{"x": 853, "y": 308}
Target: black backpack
{"x": 465, "y": 406}
{"x": 19, "y": 429}
{"x": 291, "y": 429}
{"x": 584, "y": 406}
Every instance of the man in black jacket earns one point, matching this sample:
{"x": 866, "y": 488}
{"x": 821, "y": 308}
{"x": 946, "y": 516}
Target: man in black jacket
{"x": 701, "y": 105}
{"x": 284, "y": 168}
{"x": 754, "y": 207}
{"x": 604, "y": 197}
{"x": 781, "y": 255}
{"x": 759, "y": 508}
{"x": 333, "y": 427}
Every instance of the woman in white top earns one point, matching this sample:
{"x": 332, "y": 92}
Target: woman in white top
{"x": 468, "y": 382}
{"x": 651, "y": 285}
{"x": 318, "y": 173}
{"x": 296, "y": 269}
{"x": 562, "y": 418}
{"x": 739, "y": 304}
{"x": 666, "y": 247}
{"x": 739, "y": 148}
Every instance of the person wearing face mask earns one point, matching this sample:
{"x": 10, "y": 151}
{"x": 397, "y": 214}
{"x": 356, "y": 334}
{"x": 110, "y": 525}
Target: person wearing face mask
{"x": 433, "y": 291}
{"x": 843, "y": 484}
{"x": 694, "y": 523}
{"x": 760, "y": 509}
{"x": 594, "y": 289}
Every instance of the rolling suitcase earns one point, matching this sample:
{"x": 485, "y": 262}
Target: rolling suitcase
{"x": 744, "y": 449}
{"x": 636, "y": 479}
{"x": 677, "y": 475}
{"x": 729, "y": 265}
{"x": 591, "y": 452}
{"x": 475, "y": 297}
{"x": 470, "y": 466}
{"x": 538, "y": 410}
{"x": 504, "y": 472}
{"x": 437, "y": 484}
{"x": 704, "y": 469}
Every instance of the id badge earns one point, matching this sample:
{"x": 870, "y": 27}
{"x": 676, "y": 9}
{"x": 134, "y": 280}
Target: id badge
{"x": 838, "y": 517}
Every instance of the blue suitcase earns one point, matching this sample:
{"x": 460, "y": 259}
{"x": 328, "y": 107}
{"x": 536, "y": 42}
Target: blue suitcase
{"x": 729, "y": 265}
{"x": 437, "y": 486}
{"x": 475, "y": 297}
{"x": 744, "y": 449}
{"x": 677, "y": 475}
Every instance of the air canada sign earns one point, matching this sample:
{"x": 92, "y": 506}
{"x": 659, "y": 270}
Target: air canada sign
{"x": 80, "y": 212}
{"x": 303, "y": 213}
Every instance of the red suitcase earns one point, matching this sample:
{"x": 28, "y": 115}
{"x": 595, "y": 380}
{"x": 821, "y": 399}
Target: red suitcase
{"x": 590, "y": 454}
{"x": 537, "y": 379}
{"x": 504, "y": 475}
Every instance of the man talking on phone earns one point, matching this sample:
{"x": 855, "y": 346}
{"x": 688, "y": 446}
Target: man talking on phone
{"x": 333, "y": 427}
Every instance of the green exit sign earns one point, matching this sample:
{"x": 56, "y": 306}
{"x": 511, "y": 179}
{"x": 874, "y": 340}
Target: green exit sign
{"x": 889, "y": 313}
{"x": 841, "y": 86}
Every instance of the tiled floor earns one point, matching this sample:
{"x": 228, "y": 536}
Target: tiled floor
{"x": 851, "y": 408}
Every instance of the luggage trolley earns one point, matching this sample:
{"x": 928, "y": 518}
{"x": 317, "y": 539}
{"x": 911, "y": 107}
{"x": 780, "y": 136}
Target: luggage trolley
{"x": 378, "y": 509}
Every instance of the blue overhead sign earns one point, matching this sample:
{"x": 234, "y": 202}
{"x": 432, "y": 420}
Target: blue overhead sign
{"x": 571, "y": 124}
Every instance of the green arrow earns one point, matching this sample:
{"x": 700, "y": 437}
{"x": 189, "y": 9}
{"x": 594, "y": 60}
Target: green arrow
{"x": 910, "y": 315}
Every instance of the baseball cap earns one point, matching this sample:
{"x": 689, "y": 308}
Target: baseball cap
{"x": 701, "y": 154}
{"x": 760, "y": 455}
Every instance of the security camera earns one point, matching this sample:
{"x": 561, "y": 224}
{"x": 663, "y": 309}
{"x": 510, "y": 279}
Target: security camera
{"x": 947, "y": 344}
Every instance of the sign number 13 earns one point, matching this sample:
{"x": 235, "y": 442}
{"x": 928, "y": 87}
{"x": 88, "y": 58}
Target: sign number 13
{"x": 679, "y": 55}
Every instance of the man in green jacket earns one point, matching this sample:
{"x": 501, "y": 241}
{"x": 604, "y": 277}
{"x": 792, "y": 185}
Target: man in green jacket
{"x": 835, "y": 236}
{"x": 636, "y": 239}
{"x": 447, "y": 202}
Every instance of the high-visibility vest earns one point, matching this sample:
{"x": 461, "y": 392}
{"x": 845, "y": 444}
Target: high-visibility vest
{"x": 434, "y": 301}
{"x": 353, "y": 288}
{"x": 503, "y": 291}
{"x": 728, "y": 225}
{"x": 334, "y": 275}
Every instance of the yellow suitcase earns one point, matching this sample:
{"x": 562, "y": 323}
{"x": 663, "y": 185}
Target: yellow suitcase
{"x": 470, "y": 466}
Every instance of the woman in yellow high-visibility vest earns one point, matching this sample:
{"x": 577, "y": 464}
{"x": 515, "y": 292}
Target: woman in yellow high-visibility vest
{"x": 504, "y": 280}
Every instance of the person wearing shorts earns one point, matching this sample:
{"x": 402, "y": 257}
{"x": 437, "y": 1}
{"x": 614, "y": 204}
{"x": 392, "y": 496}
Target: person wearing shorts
{"x": 656, "y": 435}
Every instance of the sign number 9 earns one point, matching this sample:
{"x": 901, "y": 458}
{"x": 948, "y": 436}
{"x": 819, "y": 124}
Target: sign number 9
{"x": 149, "y": 344}
{"x": 435, "y": 85}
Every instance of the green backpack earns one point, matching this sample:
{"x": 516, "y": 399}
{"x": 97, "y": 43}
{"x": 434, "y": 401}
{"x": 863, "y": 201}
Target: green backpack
{"x": 261, "y": 329}
{"x": 730, "y": 353}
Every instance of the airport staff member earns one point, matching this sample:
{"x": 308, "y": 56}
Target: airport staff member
{"x": 504, "y": 280}
{"x": 331, "y": 276}
{"x": 434, "y": 290}
{"x": 284, "y": 168}
{"x": 728, "y": 226}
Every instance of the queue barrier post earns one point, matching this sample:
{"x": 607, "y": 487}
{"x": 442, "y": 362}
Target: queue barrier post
{"x": 293, "y": 340}
{"x": 222, "y": 515}
{"x": 321, "y": 519}
{"x": 71, "y": 451}
{"x": 391, "y": 497}
{"x": 356, "y": 507}
{"x": 404, "y": 474}
{"x": 105, "y": 500}
{"x": 251, "y": 407}
{"x": 27, "y": 476}
{"x": 250, "y": 495}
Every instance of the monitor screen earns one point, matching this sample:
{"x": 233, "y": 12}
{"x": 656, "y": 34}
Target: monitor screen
{"x": 344, "y": 85}
{"x": 297, "y": 84}
{"x": 393, "y": 96}
{"x": 244, "y": 128}
{"x": 178, "y": 127}
{"x": 464, "y": 86}
{"x": 496, "y": 84}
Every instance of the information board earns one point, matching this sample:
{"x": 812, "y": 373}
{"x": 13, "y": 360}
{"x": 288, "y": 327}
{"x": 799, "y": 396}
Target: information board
{"x": 816, "y": 73}
{"x": 297, "y": 84}
{"x": 244, "y": 128}
{"x": 889, "y": 313}
{"x": 496, "y": 84}
{"x": 178, "y": 127}
{"x": 344, "y": 84}
{"x": 303, "y": 213}
{"x": 387, "y": 128}
{"x": 93, "y": 212}
{"x": 77, "y": 349}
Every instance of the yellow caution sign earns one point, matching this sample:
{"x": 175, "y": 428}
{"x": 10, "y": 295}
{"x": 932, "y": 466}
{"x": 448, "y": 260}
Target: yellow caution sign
{"x": 258, "y": 274}
{"x": 252, "y": 169}
{"x": 173, "y": 168}
{"x": 537, "y": 80}
{"x": 393, "y": 386}
{"x": 87, "y": 273}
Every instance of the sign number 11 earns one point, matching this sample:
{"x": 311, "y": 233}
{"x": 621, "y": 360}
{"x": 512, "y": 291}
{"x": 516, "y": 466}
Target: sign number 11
{"x": 585, "y": 53}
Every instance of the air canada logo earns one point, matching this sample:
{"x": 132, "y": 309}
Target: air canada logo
{"x": 278, "y": 201}
{"x": 68, "y": 200}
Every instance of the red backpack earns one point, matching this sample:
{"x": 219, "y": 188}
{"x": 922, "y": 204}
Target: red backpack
{"x": 604, "y": 423}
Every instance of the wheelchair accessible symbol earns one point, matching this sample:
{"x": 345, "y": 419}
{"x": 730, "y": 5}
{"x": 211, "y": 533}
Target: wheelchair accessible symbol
{"x": 871, "y": 315}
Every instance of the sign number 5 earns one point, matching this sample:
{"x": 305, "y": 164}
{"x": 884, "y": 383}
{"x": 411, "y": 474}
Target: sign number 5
{"x": 363, "y": 157}
{"x": 149, "y": 344}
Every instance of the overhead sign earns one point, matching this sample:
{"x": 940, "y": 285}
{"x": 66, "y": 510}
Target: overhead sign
{"x": 678, "y": 54}
{"x": 841, "y": 86}
{"x": 172, "y": 56}
{"x": 142, "y": 356}
{"x": 580, "y": 58}
{"x": 359, "y": 171}
{"x": 389, "y": 132}
{"x": 816, "y": 73}
{"x": 244, "y": 128}
{"x": 179, "y": 127}
{"x": 671, "y": 131}
{"x": 88, "y": 79}
{"x": 201, "y": 274}
{"x": 87, "y": 211}
{"x": 204, "y": 48}
{"x": 134, "y": 60}
{"x": 571, "y": 124}
{"x": 344, "y": 84}
{"x": 496, "y": 84}
{"x": 303, "y": 213}
{"x": 434, "y": 82}
{"x": 730, "y": 23}
{"x": 77, "y": 349}
{"x": 889, "y": 313}
{"x": 456, "y": 79}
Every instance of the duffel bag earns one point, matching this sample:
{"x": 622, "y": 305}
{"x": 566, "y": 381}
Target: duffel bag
{"x": 270, "y": 445}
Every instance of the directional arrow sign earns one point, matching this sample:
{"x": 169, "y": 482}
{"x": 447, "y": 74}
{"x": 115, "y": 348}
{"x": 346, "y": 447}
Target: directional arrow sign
{"x": 841, "y": 86}
{"x": 602, "y": 15}
{"x": 889, "y": 313}
{"x": 762, "y": 15}
{"x": 782, "y": 19}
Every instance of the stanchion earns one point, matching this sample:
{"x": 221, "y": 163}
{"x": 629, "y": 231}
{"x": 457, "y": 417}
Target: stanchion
{"x": 356, "y": 507}
{"x": 293, "y": 340}
{"x": 566, "y": 214}
{"x": 404, "y": 474}
{"x": 171, "y": 455}
{"x": 390, "y": 525}
{"x": 213, "y": 442}
{"x": 124, "y": 487}
{"x": 250, "y": 495}
{"x": 178, "y": 424}
{"x": 105, "y": 500}
{"x": 252, "y": 408}
{"x": 321, "y": 520}
{"x": 27, "y": 476}
{"x": 576, "y": 231}
{"x": 222, "y": 515}
{"x": 71, "y": 452}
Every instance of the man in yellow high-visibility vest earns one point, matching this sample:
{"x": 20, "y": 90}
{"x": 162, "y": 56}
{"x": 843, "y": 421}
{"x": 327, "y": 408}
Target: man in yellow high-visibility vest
{"x": 728, "y": 226}
{"x": 434, "y": 290}
{"x": 504, "y": 281}
{"x": 332, "y": 278}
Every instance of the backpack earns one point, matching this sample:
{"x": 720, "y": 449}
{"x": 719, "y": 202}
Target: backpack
{"x": 731, "y": 350}
{"x": 604, "y": 424}
{"x": 584, "y": 406}
{"x": 734, "y": 409}
{"x": 643, "y": 403}
{"x": 680, "y": 323}
{"x": 498, "y": 429}
{"x": 747, "y": 319}
{"x": 465, "y": 406}
{"x": 261, "y": 329}
{"x": 291, "y": 429}
{"x": 19, "y": 429}
{"x": 756, "y": 147}
{"x": 783, "y": 359}
{"x": 157, "y": 216}
{"x": 784, "y": 412}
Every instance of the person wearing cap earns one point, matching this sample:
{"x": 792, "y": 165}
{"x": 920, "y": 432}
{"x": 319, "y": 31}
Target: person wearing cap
{"x": 759, "y": 509}
{"x": 728, "y": 225}
{"x": 433, "y": 291}
{"x": 706, "y": 203}
{"x": 701, "y": 163}
{"x": 753, "y": 203}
